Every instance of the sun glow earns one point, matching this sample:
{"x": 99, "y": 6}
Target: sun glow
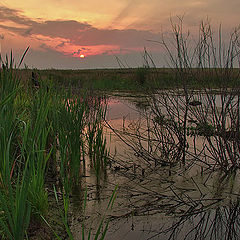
{"x": 82, "y": 56}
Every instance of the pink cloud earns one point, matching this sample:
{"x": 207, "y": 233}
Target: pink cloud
{"x": 68, "y": 36}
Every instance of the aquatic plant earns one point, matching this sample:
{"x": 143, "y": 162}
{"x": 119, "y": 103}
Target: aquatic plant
{"x": 14, "y": 178}
{"x": 34, "y": 149}
{"x": 215, "y": 117}
{"x": 212, "y": 56}
{"x": 41, "y": 130}
{"x": 97, "y": 147}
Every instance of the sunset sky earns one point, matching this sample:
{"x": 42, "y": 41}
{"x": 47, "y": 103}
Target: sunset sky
{"x": 60, "y": 31}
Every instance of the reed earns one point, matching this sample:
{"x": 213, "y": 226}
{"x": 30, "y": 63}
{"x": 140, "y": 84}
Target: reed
{"x": 15, "y": 208}
{"x": 97, "y": 147}
{"x": 38, "y": 127}
{"x": 14, "y": 177}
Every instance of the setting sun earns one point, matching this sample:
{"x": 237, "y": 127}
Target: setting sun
{"x": 82, "y": 56}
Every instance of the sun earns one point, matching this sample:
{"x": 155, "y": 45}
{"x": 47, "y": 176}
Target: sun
{"x": 82, "y": 56}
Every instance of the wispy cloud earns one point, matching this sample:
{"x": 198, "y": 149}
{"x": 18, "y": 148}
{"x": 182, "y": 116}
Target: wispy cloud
{"x": 14, "y": 15}
{"x": 68, "y": 36}
{"x": 126, "y": 11}
{"x": 75, "y": 28}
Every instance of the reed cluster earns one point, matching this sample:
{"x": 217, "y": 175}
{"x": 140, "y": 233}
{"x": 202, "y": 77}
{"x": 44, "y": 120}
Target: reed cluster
{"x": 46, "y": 135}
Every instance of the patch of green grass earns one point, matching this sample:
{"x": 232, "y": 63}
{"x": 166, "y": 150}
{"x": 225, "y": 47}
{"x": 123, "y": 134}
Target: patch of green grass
{"x": 36, "y": 126}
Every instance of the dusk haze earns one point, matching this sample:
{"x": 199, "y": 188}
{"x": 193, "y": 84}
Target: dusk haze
{"x": 60, "y": 32}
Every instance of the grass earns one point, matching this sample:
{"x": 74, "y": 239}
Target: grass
{"x": 14, "y": 178}
{"x": 42, "y": 130}
{"x": 140, "y": 79}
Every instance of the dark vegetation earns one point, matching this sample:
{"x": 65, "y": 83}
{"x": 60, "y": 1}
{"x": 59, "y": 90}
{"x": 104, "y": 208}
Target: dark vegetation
{"x": 134, "y": 79}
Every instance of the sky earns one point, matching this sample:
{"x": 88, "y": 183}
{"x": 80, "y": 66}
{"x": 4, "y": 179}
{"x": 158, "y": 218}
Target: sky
{"x": 61, "y": 32}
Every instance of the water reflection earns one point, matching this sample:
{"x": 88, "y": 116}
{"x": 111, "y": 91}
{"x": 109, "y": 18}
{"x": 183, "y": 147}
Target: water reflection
{"x": 219, "y": 223}
{"x": 155, "y": 201}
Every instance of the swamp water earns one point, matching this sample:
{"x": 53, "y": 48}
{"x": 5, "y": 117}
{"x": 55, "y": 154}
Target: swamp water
{"x": 153, "y": 201}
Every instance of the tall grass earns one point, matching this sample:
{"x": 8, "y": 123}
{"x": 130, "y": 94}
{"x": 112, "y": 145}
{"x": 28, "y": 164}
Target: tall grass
{"x": 34, "y": 149}
{"x": 15, "y": 208}
{"x": 97, "y": 147}
{"x": 14, "y": 177}
{"x": 73, "y": 116}
{"x": 40, "y": 129}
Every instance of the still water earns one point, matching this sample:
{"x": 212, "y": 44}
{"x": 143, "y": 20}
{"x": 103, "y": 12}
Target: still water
{"x": 153, "y": 202}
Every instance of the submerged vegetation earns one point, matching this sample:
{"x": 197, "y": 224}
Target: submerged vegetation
{"x": 185, "y": 148}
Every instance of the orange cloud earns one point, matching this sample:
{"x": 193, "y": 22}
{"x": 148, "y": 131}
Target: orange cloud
{"x": 72, "y": 38}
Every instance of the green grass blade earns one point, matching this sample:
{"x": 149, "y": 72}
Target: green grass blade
{"x": 23, "y": 56}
